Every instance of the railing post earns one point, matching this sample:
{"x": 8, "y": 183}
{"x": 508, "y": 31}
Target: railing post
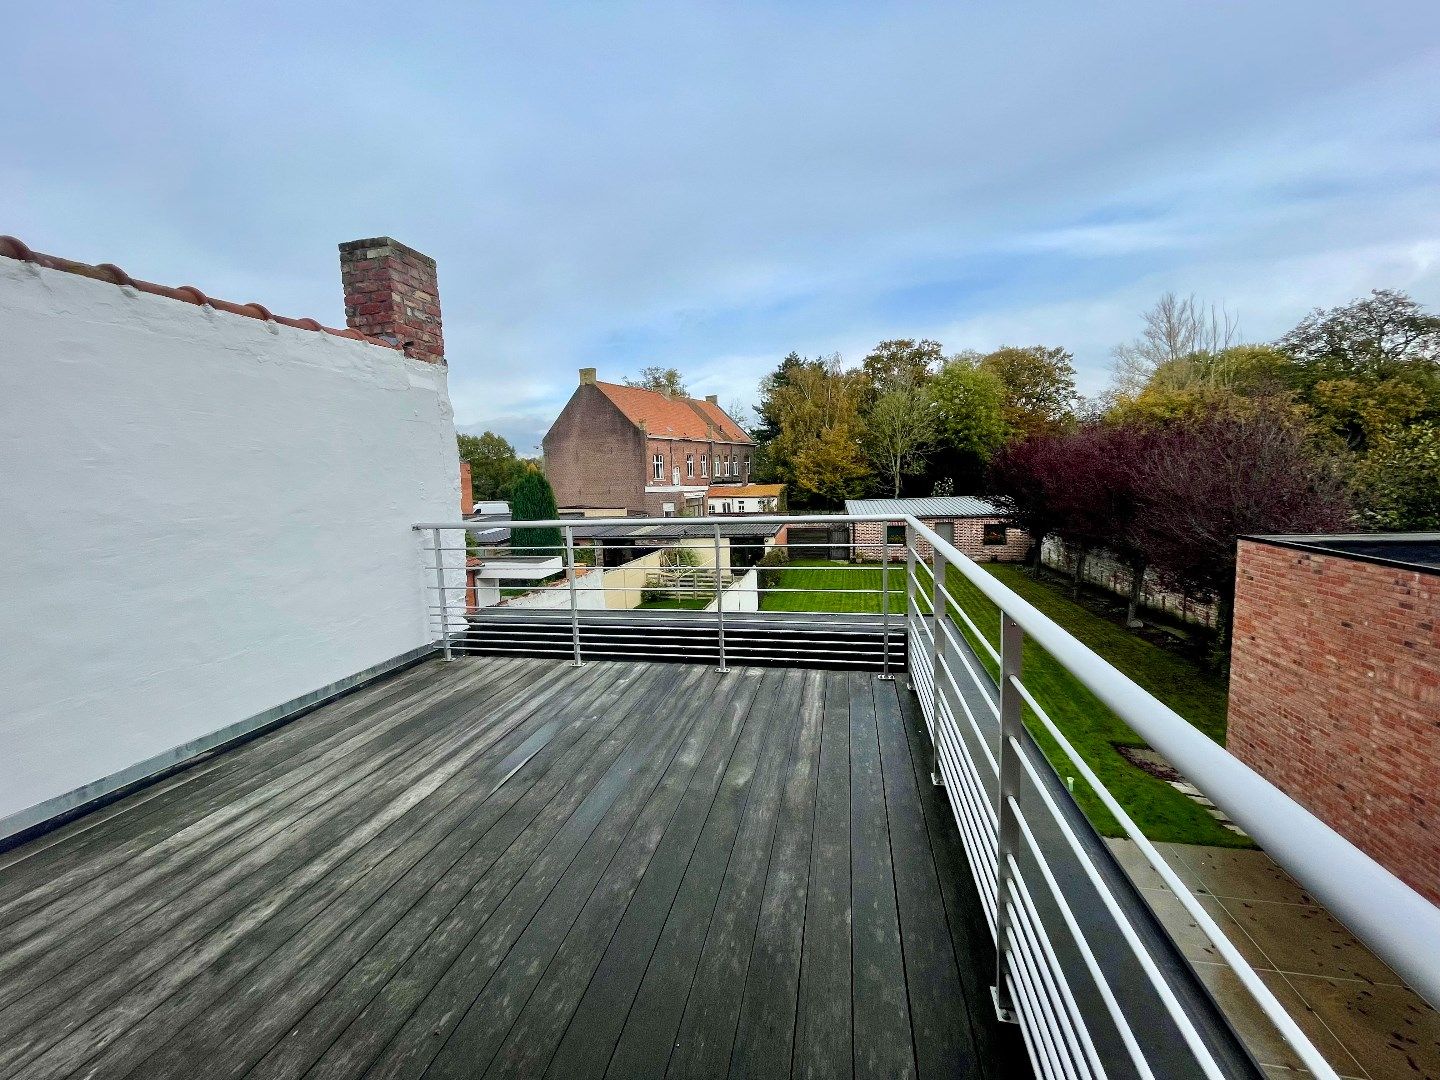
{"x": 1007, "y": 836}
{"x": 574, "y": 598}
{"x": 440, "y": 590}
{"x": 885, "y": 602}
{"x": 937, "y": 612}
{"x": 911, "y": 600}
{"x": 719, "y": 603}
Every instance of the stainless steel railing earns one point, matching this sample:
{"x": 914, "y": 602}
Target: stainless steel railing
{"x": 1082, "y": 966}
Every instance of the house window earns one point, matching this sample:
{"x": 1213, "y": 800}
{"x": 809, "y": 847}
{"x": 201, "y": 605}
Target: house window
{"x": 994, "y": 535}
{"x": 725, "y": 507}
{"x": 717, "y": 466}
{"x": 704, "y": 464}
{"x": 659, "y": 466}
{"x": 689, "y": 466}
{"x": 895, "y": 534}
{"x": 747, "y": 468}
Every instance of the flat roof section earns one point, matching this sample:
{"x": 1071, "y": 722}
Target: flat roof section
{"x": 1409, "y": 551}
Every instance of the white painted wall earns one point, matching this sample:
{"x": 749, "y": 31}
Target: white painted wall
{"x": 204, "y": 516}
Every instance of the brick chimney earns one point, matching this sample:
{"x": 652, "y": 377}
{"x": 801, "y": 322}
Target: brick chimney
{"x": 391, "y": 292}
{"x": 713, "y": 399}
{"x": 587, "y": 376}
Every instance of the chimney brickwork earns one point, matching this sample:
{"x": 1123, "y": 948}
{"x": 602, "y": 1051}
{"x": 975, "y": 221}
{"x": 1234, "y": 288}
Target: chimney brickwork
{"x": 391, "y": 291}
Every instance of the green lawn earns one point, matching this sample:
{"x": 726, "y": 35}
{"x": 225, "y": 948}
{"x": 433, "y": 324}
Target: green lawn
{"x": 820, "y": 575}
{"x": 677, "y": 603}
{"x": 1091, "y": 727}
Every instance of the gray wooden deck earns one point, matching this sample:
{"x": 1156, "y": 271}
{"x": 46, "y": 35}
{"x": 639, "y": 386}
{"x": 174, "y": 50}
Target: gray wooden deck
{"x": 513, "y": 867}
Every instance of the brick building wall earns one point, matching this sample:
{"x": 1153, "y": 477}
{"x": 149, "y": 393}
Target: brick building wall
{"x": 1335, "y": 696}
{"x": 869, "y": 540}
{"x": 594, "y": 456}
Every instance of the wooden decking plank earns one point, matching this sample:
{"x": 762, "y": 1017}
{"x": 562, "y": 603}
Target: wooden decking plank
{"x": 156, "y": 880}
{"x": 483, "y": 943}
{"x": 765, "y": 1035}
{"x": 190, "y": 987}
{"x": 92, "y": 831}
{"x": 648, "y": 1035}
{"x": 999, "y": 1050}
{"x": 939, "y": 1016}
{"x": 216, "y": 911}
{"x": 197, "y": 810}
{"x": 310, "y": 966}
{"x": 619, "y": 923}
{"x": 353, "y": 1018}
{"x": 706, "y": 822}
{"x": 589, "y": 899}
{"x": 707, "y": 1027}
{"x": 883, "y": 1043}
{"x": 823, "y": 1038}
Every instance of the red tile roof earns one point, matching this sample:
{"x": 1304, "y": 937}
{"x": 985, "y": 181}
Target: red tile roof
{"x": 675, "y": 418}
{"x": 744, "y": 491}
{"x": 15, "y": 249}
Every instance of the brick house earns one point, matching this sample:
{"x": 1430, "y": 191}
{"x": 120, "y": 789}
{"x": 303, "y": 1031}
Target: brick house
{"x": 973, "y": 525}
{"x": 654, "y": 455}
{"x": 1335, "y": 686}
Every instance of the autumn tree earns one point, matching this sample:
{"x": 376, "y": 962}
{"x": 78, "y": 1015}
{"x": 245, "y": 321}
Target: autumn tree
{"x": 664, "y": 380}
{"x": 493, "y": 464}
{"x": 768, "y": 411}
{"x": 1026, "y": 481}
{"x": 1205, "y": 483}
{"x": 819, "y": 448}
{"x": 1400, "y": 480}
{"x": 1039, "y": 384}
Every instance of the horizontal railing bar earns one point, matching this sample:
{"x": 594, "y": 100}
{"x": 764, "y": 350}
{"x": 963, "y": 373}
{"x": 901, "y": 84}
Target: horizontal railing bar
{"x": 1399, "y": 924}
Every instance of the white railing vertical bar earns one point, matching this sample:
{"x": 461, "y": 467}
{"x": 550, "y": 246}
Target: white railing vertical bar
{"x": 444, "y": 597}
{"x": 719, "y": 605}
{"x": 937, "y": 573}
{"x": 574, "y": 596}
{"x": 1007, "y": 833}
{"x": 885, "y": 609}
{"x": 1269, "y": 1004}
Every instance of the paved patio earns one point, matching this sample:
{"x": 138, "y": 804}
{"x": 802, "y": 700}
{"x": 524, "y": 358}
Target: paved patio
{"x": 1359, "y": 1014}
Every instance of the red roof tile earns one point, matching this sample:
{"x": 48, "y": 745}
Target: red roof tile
{"x": 15, "y": 249}
{"x": 676, "y": 418}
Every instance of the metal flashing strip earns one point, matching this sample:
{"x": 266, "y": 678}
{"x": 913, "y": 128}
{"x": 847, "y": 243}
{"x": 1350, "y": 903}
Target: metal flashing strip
{"x": 24, "y": 825}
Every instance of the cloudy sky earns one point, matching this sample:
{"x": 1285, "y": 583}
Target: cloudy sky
{"x": 712, "y": 185}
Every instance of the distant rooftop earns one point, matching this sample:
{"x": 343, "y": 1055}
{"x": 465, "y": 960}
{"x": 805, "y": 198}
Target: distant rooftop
{"x": 1414, "y": 551}
{"x": 673, "y": 417}
{"x": 947, "y": 506}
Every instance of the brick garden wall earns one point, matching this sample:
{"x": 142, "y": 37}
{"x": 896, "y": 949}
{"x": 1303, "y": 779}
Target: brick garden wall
{"x": 869, "y": 539}
{"x": 1335, "y": 697}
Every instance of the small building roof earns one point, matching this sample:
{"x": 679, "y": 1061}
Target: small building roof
{"x": 1411, "y": 551}
{"x": 744, "y": 491}
{"x": 680, "y": 529}
{"x": 946, "y": 506}
{"x": 673, "y": 417}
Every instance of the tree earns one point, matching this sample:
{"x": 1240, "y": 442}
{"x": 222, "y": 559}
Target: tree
{"x": 1400, "y": 480}
{"x": 1039, "y": 386}
{"x": 970, "y": 424}
{"x": 663, "y": 380}
{"x": 493, "y": 464}
{"x": 818, "y": 449}
{"x": 899, "y": 429}
{"x": 1377, "y": 336}
{"x": 1174, "y": 329}
{"x": 770, "y": 385}
{"x": 532, "y": 499}
{"x": 1026, "y": 481}
{"x": 902, "y": 362}
{"x": 1205, "y": 483}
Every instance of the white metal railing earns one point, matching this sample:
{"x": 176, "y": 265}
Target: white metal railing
{"x": 1096, "y": 986}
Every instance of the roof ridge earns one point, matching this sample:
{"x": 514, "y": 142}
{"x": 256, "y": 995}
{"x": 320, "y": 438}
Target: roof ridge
{"x": 13, "y": 248}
